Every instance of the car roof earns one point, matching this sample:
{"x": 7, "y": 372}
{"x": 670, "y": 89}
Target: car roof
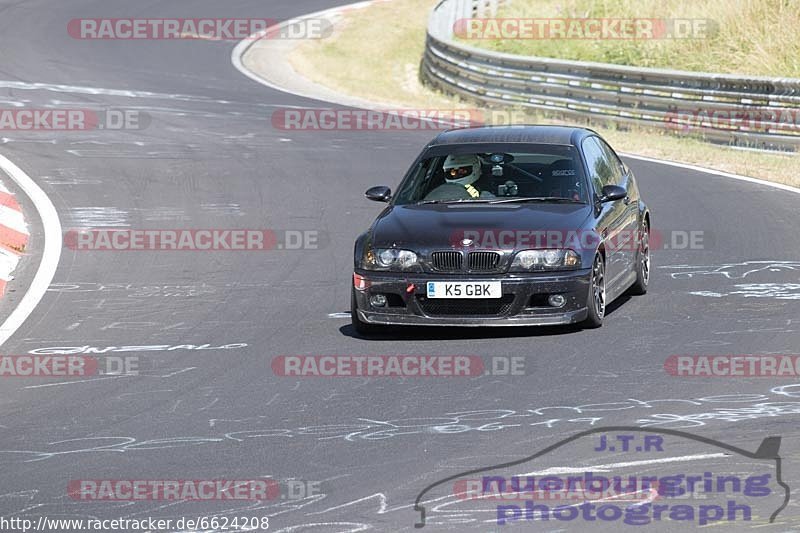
{"x": 533, "y": 134}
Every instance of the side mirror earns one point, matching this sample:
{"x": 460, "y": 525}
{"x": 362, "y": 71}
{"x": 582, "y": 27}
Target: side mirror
{"x": 612, "y": 193}
{"x": 381, "y": 193}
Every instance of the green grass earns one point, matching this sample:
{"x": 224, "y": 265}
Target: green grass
{"x": 379, "y": 52}
{"x": 755, "y": 37}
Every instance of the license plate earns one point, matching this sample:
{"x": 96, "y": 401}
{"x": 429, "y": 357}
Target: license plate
{"x": 465, "y": 289}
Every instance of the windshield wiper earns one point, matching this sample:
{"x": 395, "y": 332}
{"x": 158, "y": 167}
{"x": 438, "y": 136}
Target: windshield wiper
{"x": 481, "y": 201}
{"x": 537, "y": 199}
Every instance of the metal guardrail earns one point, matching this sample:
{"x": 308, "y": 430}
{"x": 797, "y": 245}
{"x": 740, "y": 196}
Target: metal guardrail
{"x": 665, "y": 99}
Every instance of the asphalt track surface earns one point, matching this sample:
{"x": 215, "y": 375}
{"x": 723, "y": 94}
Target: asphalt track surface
{"x": 210, "y": 159}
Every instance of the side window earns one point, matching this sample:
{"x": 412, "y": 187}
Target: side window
{"x": 600, "y": 172}
{"x": 614, "y": 161}
{"x": 413, "y": 190}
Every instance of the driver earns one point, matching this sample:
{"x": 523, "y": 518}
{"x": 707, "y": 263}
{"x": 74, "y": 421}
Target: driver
{"x": 460, "y": 174}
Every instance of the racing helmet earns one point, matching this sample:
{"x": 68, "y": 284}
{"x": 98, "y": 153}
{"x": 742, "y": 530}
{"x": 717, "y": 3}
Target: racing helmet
{"x": 462, "y": 169}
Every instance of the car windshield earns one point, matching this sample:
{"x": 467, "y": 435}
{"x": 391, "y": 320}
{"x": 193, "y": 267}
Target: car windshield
{"x": 489, "y": 174}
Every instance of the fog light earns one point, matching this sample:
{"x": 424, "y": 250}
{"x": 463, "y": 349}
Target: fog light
{"x": 557, "y": 300}
{"x": 377, "y": 300}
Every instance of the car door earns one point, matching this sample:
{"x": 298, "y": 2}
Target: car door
{"x": 610, "y": 216}
{"x": 627, "y": 242}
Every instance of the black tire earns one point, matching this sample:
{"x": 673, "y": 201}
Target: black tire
{"x": 362, "y": 328}
{"x": 642, "y": 264}
{"x": 596, "y": 299}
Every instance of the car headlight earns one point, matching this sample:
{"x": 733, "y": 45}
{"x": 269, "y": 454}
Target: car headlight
{"x": 553, "y": 259}
{"x": 390, "y": 259}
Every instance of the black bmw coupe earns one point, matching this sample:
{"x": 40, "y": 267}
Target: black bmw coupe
{"x": 503, "y": 226}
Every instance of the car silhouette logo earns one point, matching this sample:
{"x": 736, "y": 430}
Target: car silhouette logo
{"x": 768, "y": 450}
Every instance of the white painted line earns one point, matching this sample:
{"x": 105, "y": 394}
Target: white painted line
{"x": 338, "y": 315}
{"x": 13, "y": 219}
{"x": 8, "y": 264}
{"x": 705, "y": 170}
{"x": 243, "y": 46}
{"x": 179, "y": 372}
{"x": 241, "y": 49}
{"x": 612, "y": 466}
{"x": 74, "y": 382}
{"x": 50, "y": 256}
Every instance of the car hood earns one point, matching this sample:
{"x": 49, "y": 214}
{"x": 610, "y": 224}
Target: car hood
{"x": 442, "y": 225}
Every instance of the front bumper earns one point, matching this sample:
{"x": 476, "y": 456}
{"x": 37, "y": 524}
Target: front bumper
{"x": 524, "y": 301}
